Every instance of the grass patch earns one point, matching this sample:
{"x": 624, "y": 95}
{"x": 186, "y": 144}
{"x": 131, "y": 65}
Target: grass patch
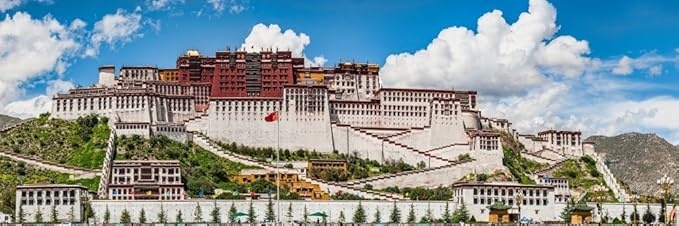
{"x": 201, "y": 170}
{"x": 80, "y": 143}
{"x": 520, "y": 167}
{"x": 14, "y": 173}
{"x": 358, "y": 168}
{"x": 583, "y": 176}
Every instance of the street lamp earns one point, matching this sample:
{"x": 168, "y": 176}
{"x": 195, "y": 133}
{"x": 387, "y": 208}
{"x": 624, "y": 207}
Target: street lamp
{"x": 519, "y": 200}
{"x": 665, "y": 184}
{"x": 599, "y": 197}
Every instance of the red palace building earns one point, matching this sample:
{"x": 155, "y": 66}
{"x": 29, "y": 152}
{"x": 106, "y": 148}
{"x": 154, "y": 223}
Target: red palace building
{"x": 239, "y": 73}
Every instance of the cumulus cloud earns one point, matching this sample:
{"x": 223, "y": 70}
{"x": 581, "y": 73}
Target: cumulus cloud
{"x": 25, "y": 108}
{"x": 497, "y": 59}
{"x": 650, "y": 62}
{"x": 273, "y": 37}
{"x": 29, "y": 49}
{"x": 9, "y": 4}
{"x": 537, "y": 79}
{"x": 113, "y": 29}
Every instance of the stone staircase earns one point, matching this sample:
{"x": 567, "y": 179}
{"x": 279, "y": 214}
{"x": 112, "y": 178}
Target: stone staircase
{"x": 403, "y": 146}
{"x": 332, "y": 187}
{"x": 102, "y": 193}
{"x": 445, "y": 146}
{"x": 9, "y": 128}
{"x": 549, "y": 169}
{"x": 62, "y": 168}
{"x": 538, "y": 158}
{"x": 610, "y": 180}
{"x": 400, "y": 174}
{"x": 197, "y": 117}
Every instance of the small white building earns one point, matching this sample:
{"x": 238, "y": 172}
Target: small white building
{"x": 562, "y": 191}
{"x": 5, "y": 218}
{"x": 67, "y": 200}
{"x": 534, "y": 201}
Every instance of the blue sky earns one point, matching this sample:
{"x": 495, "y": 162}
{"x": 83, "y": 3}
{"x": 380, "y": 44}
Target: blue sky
{"x": 621, "y": 77}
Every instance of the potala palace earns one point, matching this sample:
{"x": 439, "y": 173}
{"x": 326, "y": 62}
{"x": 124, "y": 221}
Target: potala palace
{"x": 342, "y": 108}
{"x": 225, "y": 98}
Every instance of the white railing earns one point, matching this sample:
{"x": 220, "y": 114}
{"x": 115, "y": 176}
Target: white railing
{"x": 106, "y": 167}
{"x": 610, "y": 179}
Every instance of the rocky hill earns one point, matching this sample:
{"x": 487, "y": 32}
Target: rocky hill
{"x": 6, "y": 121}
{"x": 639, "y": 160}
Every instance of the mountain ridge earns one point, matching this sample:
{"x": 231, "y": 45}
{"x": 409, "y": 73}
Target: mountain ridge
{"x": 638, "y": 159}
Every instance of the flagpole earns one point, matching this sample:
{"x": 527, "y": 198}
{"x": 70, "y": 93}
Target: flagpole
{"x": 278, "y": 160}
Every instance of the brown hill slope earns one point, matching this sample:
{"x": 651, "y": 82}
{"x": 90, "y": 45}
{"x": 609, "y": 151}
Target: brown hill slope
{"x": 639, "y": 160}
{"x": 6, "y": 120}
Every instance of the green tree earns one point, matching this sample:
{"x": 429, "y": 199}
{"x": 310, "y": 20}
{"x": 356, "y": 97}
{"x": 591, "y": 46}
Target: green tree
{"x": 107, "y": 215}
{"x": 198, "y": 213}
{"x": 38, "y": 216}
{"x": 648, "y": 217}
{"x": 215, "y": 214}
{"x": 232, "y": 213}
{"x": 251, "y": 213}
{"x": 359, "y": 214}
{"x": 616, "y": 221}
{"x": 71, "y": 215}
{"x": 411, "y": 214}
{"x": 341, "y": 216}
{"x": 54, "y": 214}
{"x": 142, "y": 216}
{"x": 178, "y": 218}
{"x": 289, "y": 213}
{"x": 566, "y": 212}
{"x": 125, "y": 217}
{"x": 461, "y": 214}
{"x": 378, "y": 216}
{"x": 446, "y": 214}
{"x": 395, "y": 215}
{"x": 270, "y": 216}
{"x": 22, "y": 215}
{"x": 634, "y": 217}
{"x": 623, "y": 216}
{"x": 428, "y": 217}
{"x": 306, "y": 214}
{"x": 161, "y": 215}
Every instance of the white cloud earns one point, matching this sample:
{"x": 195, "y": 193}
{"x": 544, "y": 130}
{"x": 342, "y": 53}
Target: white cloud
{"x": 113, "y": 29}
{"x": 32, "y": 49}
{"x": 9, "y": 4}
{"x": 498, "y": 59}
{"x": 651, "y": 62}
{"x": 236, "y": 9}
{"x": 537, "y": 79}
{"x": 31, "y": 107}
{"x": 655, "y": 70}
{"x": 273, "y": 37}
{"x": 234, "y": 6}
{"x": 217, "y": 5}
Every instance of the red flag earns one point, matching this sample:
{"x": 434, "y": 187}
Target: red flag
{"x": 273, "y": 116}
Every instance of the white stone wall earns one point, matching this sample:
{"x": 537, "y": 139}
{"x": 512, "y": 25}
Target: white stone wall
{"x": 332, "y": 208}
{"x": 610, "y": 180}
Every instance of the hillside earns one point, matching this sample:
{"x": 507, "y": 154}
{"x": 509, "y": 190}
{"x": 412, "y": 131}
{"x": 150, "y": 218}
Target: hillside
{"x": 584, "y": 178}
{"x": 201, "y": 170}
{"x": 79, "y": 143}
{"x": 639, "y": 159}
{"x": 14, "y": 173}
{"x": 520, "y": 168}
{"x": 6, "y": 121}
